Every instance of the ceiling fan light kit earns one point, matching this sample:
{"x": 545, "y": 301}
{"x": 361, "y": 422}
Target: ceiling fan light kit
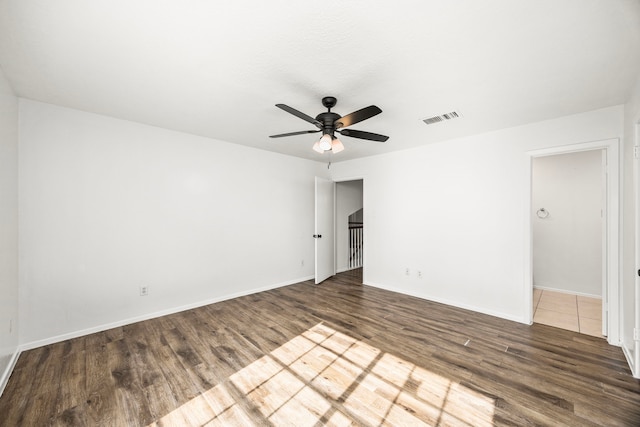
{"x": 329, "y": 123}
{"x": 336, "y": 146}
{"x": 316, "y": 147}
{"x": 325, "y": 142}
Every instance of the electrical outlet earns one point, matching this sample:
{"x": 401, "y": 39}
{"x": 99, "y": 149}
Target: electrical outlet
{"x": 407, "y": 272}
{"x": 302, "y": 263}
{"x": 144, "y": 291}
{"x": 419, "y": 274}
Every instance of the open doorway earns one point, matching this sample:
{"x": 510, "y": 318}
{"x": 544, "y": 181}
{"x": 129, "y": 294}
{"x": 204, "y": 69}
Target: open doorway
{"x": 568, "y": 234}
{"x": 611, "y": 294}
{"x": 350, "y": 227}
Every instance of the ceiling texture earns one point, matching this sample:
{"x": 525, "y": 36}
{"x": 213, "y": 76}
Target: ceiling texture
{"x": 217, "y": 68}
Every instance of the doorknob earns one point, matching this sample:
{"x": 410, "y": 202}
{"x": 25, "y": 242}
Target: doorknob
{"x": 317, "y": 236}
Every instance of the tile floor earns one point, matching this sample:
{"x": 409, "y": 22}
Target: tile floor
{"x": 573, "y": 312}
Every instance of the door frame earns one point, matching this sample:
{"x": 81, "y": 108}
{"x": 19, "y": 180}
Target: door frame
{"x": 365, "y": 220}
{"x": 611, "y": 244}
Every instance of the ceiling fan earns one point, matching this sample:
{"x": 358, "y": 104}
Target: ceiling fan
{"x": 329, "y": 123}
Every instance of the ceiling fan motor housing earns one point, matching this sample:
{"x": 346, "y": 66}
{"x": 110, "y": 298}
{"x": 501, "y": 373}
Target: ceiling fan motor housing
{"x": 328, "y": 119}
{"x": 328, "y": 122}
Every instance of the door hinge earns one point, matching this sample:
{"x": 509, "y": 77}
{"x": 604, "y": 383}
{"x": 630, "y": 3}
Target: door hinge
{"x": 636, "y": 152}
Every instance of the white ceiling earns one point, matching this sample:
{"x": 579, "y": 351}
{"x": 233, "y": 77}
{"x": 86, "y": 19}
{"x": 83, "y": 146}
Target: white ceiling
{"x": 216, "y": 68}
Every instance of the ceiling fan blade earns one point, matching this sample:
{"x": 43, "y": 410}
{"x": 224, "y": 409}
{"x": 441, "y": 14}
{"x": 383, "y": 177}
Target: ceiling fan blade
{"x": 299, "y": 114}
{"x": 363, "y": 135}
{"x": 295, "y": 133}
{"x": 357, "y": 116}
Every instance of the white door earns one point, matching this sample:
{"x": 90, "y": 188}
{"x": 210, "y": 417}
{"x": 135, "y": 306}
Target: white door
{"x": 324, "y": 229}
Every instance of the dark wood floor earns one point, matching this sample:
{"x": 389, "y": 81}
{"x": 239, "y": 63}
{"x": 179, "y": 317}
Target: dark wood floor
{"x": 336, "y": 354}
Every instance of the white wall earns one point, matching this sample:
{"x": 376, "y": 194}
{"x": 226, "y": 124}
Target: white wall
{"x": 348, "y": 200}
{"x": 108, "y": 205}
{"x": 567, "y": 244}
{"x": 456, "y": 211}
{"x": 629, "y": 297}
{"x": 8, "y": 228}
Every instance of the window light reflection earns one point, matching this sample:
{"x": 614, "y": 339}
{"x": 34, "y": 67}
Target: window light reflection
{"x": 297, "y": 383}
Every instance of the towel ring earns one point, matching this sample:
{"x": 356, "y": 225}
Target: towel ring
{"x": 542, "y": 213}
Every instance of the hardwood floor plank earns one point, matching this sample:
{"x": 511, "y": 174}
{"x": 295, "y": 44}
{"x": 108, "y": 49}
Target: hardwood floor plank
{"x": 72, "y": 392}
{"x": 17, "y": 394}
{"x": 100, "y": 398}
{"x": 44, "y": 392}
{"x": 339, "y": 353}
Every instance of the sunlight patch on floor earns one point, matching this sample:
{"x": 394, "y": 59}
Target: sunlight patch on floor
{"x": 296, "y": 383}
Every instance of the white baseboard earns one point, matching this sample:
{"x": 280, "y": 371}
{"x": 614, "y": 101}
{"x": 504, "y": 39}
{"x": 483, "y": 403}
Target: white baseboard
{"x": 4, "y": 379}
{"x": 630, "y": 361}
{"x": 452, "y": 303}
{"x": 564, "y": 291}
{"x": 75, "y": 334}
